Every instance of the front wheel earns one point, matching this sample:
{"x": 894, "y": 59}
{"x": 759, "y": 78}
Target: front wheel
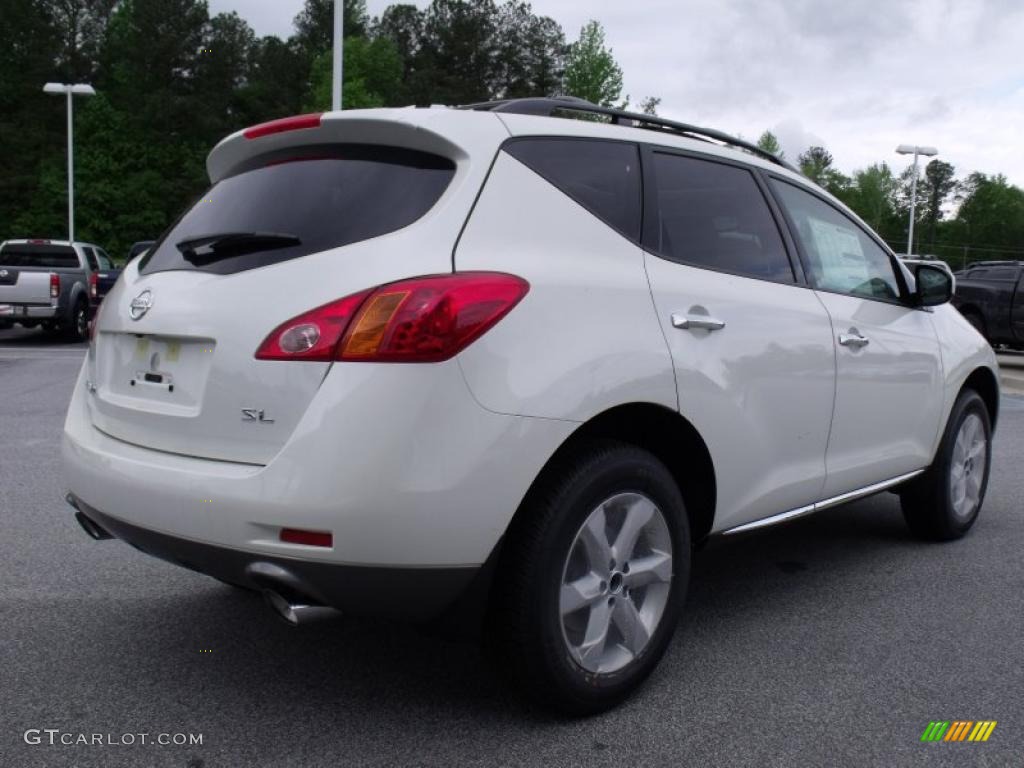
{"x": 943, "y": 503}
{"x": 592, "y": 580}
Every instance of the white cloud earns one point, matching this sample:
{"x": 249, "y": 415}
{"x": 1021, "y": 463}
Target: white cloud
{"x": 860, "y": 77}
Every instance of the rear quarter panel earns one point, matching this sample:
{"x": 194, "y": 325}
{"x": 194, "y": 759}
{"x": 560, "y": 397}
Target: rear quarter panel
{"x": 585, "y": 338}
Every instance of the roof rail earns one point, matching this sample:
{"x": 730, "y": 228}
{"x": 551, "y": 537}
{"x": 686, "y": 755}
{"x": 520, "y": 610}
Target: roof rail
{"x": 548, "y": 106}
{"x": 995, "y": 263}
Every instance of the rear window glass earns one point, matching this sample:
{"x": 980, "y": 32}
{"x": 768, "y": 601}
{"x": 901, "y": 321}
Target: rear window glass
{"x": 38, "y": 255}
{"x": 291, "y": 204}
{"x": 602, "y": 176}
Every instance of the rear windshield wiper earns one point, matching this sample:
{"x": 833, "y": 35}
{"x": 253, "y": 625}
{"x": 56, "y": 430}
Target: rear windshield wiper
{"x": 208, "y": 248}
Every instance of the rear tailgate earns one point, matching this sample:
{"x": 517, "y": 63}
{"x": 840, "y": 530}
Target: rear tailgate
{"x": 23, "y": 286}
{"x": 25, "y": 269}
{"x": 173, "y": 365}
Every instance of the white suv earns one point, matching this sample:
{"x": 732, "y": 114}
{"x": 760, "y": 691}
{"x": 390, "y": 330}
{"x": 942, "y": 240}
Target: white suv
{"x": 417, "y": 362}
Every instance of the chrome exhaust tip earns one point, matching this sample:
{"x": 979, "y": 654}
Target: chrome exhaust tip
{"x": 294, "y": 612}
{"x": 91, "y": 527}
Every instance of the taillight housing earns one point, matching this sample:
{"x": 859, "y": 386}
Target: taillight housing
{"x": 54, "y": 285}
{"x": 94, "y": 286}
{"x": 422, "y": 320}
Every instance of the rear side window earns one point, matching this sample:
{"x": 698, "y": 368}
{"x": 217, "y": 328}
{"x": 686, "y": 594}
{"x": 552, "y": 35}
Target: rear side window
{"x": 299, "y": 202}
{"x": 90, "y": 256}
{"x": 103, "y": 259}
{"x": 602, "y": 176}
{"x": 38, "y": 255}
{"x": 714, "y": 215}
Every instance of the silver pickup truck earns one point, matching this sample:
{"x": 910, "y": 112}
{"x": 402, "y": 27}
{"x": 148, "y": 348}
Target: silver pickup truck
{"x": 46, "y": 283}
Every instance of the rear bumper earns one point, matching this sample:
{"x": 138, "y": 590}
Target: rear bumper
{"x": 19, "y": 312}
{"x": 416, "y": 594}
{"x": 405, "y": 472}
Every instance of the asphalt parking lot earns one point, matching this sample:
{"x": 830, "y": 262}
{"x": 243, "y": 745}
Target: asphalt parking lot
{"x": 832, "y": 641}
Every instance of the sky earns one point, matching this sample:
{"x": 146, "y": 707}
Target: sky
{"x": 856, "y": 76}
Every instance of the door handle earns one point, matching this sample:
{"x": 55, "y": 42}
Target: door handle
{"x": 853, "y": 338}
{"x": 690, "y": 322}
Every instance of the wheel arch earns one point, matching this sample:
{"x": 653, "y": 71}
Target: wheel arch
{"x": 669, "y": 437}
{"x": 983, "y": 381}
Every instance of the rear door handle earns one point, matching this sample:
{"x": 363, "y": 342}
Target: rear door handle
{"x": 853, "y": 339}
{"x": 690, "y": 322}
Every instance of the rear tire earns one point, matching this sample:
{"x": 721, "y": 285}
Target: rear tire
{"x": 77, "y": 328}
{"x": 572, "y": 632}
{"x": 943, "y": 503}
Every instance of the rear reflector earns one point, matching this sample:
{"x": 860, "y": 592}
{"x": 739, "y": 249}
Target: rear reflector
{"x": 309, "y": 538}
{"x": 54, "y": 285}
{"x": 423, "y": 320}
{"x": 297, "y": 123}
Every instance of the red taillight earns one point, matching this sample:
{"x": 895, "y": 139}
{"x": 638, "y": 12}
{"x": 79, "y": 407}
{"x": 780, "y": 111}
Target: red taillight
{"x": 296, "y": 123}
{"x": 313, "y": 335}
{"x": 54, "y": 285}
{"x": 309, "y": 538}
{"x": 93, "y": 286}
{"x": 423, "y": 320}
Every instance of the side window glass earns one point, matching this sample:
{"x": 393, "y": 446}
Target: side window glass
{"x": 842, "y": 257}
{"x": 90, "y": 256}
{"x": 602, "y": 176}
{"x": 714, "y": 215}
{"x": 1003, "y": 273}
{"x": 103, "y": 259}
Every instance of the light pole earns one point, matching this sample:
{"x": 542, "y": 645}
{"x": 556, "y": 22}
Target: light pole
{"x": 70, "y": 91}
{"x": 339, "y": 31}
{"x": 912, "y": 149}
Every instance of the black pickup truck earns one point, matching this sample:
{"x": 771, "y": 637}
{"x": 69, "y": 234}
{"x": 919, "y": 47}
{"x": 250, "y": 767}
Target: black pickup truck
{"x": 990, "y": 294}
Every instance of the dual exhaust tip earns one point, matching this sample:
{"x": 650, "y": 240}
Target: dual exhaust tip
{"x": 295, "y": 612}
{"x": 287, "y": 596}
{"x": 283, "y": 591}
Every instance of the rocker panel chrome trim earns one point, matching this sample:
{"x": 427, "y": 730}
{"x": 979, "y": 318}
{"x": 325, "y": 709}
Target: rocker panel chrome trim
{"x": 834, "y": 501}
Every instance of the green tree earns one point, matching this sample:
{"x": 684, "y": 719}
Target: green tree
{"x": 457, "y": 61}
{"x": 939, "y": 184}
{"x": 815, "y": 164}
{"x": 992, "y": 212}
{"x": 372, "y": 71}
{"x": 591, "y": 71}
{"x": 314, "y": 25}
{"x": 769, "y": 143}
{"x": 81, "y": 25}
{"x": 31, "y": 124}
{"x": 530, "y": 52}
{"x": 649, "y": 105}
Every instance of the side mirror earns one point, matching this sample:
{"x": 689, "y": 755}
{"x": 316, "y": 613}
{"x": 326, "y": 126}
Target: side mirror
{"x": 934, "y": 286}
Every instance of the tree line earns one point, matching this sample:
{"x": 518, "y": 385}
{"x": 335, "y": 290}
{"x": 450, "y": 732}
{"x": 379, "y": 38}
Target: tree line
{"x": 960, "y": 220}
{"x": 172, "y": 79}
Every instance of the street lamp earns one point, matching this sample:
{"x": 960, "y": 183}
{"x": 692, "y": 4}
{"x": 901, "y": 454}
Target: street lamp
{"x": 78, "y": 89}
{"x": 912, "y": 149}
{"x": 339, "y": 39}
